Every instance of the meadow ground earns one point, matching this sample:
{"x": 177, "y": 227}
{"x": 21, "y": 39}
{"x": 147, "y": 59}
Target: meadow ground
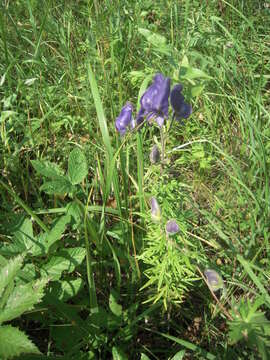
{"x": 85, "y": 272}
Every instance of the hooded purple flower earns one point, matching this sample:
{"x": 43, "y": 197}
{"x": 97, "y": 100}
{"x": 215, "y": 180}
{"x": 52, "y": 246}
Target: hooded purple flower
{"x": 172, "y": 227}
{"x": 124, "y": 120}
{"x": 155, "y": 101}
{"x": 155, "y": 210}
{"x": 180, "y": 107}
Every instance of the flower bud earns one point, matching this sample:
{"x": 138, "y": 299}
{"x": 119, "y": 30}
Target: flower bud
{"x": 154, "y": 155}
{"x": 172, "y": 227}
{"x": 214, "y": 280}
{"x": 155, "y": 210}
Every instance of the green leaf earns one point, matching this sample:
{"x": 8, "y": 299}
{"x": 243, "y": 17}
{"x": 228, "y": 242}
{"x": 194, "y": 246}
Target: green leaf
{"x": 118, "y": 354}
{"x": 65, "y": 260}
{"x": 57, "y": 231}
{"x": 116, "y": 309}
{"x": 144, "y": 357}
{"x": 196, "y": 90}
{"x": 179, "y": 355}
{"x": 47, "y": 169}
{"x": 158, "y": 41}
{"x": 23, "y": 298}
{"x": 14, "y": 342}
{"x": 9, "y": 271}
{"x": 65, "y": 290}
{"x": 59, "y": 186}
{"x": 77, "y": 166}
{"x": 191, "y": 73}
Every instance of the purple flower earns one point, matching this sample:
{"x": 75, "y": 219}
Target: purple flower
{"x": 172, "y": 227}
{"x": 214, "y": 280}
{"x": 124, "y": 120}
{"x": 155, "y": 210}
{"x": 180, "y": 107}
{"x": 155, "y": 101}
{"x": 154, "y": 155}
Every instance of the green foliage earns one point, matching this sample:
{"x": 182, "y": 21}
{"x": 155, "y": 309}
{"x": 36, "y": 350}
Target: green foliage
{"x": 74, "y": 196}
{"x": 250, "y": 324}
{"x": 14, "y": 342}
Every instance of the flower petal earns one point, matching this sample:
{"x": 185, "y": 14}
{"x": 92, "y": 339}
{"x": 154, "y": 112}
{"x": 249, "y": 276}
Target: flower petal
{"x": 172, "y": 227}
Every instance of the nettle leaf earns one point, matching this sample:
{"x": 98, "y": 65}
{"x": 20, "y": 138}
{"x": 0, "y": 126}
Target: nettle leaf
{"x": 57, "y": 230}
{"x": 59, "y": 186}
{"x": 77, "y": 166}
{"x": 9, "y": 271}
{"x": 23, "y": 298}
{"x": 65, "y": 260}
{"x": 14, "y": 342}
{"x": 47, "y": 169}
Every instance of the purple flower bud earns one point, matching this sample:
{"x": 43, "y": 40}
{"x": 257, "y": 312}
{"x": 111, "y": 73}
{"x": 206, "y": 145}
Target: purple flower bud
{"x": 155, "y": 210}
{"x": 180, "y": 107}
{"x": 172, "y": 227}
{"x": 124, "y": 120}
{"x": 154, "y": 155}
{"x": 155, "y": 100}
{"x": 214, "y": 280}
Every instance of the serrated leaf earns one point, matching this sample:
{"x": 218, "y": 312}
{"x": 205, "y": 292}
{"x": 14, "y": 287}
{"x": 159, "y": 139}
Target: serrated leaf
{"x": 65, "y": 290}
{"x": 57, "y": 231}
{"x": 65, "y": 260}
{"x": 47, "y": 169}
{"x": 77, "y": 166}
{"x": 23, "y": 298}
{"x": 9, "y": 271}
{"x": 14, "y": 342}
{"x": 59, "y": 186}
{"x": 158, "y": 41}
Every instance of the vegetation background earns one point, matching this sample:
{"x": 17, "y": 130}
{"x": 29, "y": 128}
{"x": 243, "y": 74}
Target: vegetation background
{"x": 84, "y": 272}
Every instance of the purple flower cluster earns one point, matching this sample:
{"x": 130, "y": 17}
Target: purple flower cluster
{"x": 155, "y": 105}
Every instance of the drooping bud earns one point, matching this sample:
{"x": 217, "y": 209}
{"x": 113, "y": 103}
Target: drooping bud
{"x": 155, "y": 155}
{"x": 214, "y": 280}
{"x": 155, "y": 210}
{"x": 172, "y": 228}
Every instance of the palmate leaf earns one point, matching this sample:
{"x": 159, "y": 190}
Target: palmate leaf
{"x": 14, "y": 342}
{"x": 9, "y": 271}
{"x": 23, "y": 298}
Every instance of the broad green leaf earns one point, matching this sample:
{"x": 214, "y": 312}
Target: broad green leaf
{"x": 158, "y": 41}
{"x": 118, "y": 354}
{"x": 116, "y": 309}
{"x": 196, "y": 90}
{"x": 59, "y": 186}
{"x": 47, "y": 169}
{"x": 14, "y": 342}
{"x": 179, "y": 355}
{"x": 57, "y": 231}
{"x": 65, "y": 290}
{"x": 144, "y": 357}
{"x": 23, "y": 298}
{"x": 65, "y": 260}
{"x": 152, "y": 38}
{"x": 191, "y": 73}
{"x": 9, "y": 271}
{"x": 77, "y": 166}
